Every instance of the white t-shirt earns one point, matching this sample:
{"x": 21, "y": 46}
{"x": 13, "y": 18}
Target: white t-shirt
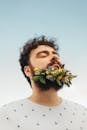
{"x": 27, "y": 115}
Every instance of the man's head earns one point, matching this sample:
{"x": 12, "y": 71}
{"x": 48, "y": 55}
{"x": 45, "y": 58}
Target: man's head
{"x": 39, "y": 53}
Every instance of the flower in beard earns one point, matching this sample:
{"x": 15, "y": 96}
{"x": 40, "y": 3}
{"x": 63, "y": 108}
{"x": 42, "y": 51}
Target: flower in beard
{"x": 53, "y": 73}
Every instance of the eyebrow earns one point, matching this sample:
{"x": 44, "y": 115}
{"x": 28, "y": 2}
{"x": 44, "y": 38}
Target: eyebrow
{"x": 54, "y": 52}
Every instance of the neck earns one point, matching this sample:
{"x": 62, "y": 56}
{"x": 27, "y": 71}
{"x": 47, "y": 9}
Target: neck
{"x": 48, "y": 98}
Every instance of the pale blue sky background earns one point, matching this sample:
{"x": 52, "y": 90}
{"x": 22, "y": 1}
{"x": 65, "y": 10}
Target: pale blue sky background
{"x": 66, "y": 20}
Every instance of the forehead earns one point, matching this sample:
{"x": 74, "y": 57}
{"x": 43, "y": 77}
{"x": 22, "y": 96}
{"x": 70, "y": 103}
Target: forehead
{"x": 42, "y": 48}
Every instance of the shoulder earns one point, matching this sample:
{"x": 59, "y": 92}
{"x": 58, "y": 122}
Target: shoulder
{"x": 74, "y": 104}
{"x": 8, "y": 114}
{"x": 75, "y": 107}
{"x": 12, "y": 105}
{"x": 71, "y": 103}
{"x": 9, "y": 108}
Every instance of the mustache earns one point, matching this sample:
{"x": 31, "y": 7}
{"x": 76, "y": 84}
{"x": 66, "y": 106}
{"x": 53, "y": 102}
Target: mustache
{"x": 55, "y": 62}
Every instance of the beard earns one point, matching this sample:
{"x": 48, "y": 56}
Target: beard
{"x": 49, "y": 84}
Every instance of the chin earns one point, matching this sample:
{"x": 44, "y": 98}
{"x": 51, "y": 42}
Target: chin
{"x": 48, "y": 85}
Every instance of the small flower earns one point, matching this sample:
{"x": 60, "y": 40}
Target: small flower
{"x": 35, "y": 69}
{"x": 50, "y": 77}
{"x": 47, "y": 72}
{"x": 60, "y": 70}
{"x": 53, "y": 68}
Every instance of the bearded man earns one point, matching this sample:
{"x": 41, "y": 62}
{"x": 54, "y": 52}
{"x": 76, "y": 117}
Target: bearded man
{"x": 44, "y": 109}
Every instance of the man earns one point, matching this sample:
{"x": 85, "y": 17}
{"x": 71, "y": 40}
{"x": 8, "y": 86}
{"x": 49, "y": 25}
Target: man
{"x": 44, "y": 109}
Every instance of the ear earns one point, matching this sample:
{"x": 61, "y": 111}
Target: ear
{"x": 27, "y": 71}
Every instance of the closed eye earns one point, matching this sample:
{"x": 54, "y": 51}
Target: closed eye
{"x": 56, "y": 53}
{"x": 42, "y": 54}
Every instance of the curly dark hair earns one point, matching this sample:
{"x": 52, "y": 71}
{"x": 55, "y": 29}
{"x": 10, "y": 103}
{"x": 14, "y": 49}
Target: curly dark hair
{"x": 33, "y": 44}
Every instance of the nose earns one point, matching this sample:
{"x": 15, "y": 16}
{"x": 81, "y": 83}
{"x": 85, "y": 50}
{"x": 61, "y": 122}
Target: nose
{"x": 56, "y": 60}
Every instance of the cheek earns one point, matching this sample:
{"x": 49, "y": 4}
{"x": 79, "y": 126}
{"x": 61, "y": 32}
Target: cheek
{"x": 39, "y": 62}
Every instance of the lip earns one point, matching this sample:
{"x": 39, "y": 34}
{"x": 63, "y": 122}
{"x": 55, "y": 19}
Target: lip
{"x": 56, "y": 65}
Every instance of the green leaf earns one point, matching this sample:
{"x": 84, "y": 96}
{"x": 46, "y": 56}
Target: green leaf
{"x": 42, "y": 80}
{"x": 36, "y": 78}
{"x": 37, "y": 72}
{"x": 74, "y": 76}
{"x": 67, "y": 84}
{"x": 58, "y": 82}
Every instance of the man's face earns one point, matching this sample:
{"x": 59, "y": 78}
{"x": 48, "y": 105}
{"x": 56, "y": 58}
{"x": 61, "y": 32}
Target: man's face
{"x": 43, "y": 55}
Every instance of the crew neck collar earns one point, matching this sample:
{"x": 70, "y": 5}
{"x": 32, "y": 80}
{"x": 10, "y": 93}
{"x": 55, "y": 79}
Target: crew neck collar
{"x": 42, "y": 105}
